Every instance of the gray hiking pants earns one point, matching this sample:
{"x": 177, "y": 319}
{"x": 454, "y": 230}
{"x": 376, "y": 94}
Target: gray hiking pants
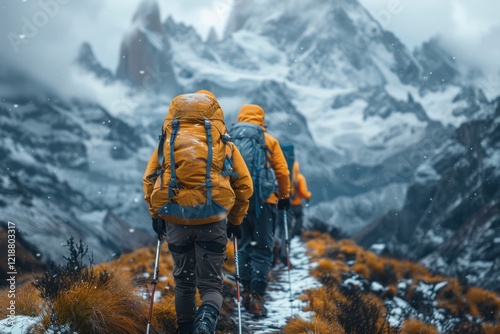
{"x": 256, "y": 249}
{"x": 198, "y": 253}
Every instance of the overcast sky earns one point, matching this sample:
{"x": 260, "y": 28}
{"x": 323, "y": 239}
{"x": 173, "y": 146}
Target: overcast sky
{"x": 472, "y": 26}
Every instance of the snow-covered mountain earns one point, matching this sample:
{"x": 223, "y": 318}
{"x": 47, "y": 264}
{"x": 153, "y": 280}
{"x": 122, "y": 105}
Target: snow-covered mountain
{"x": 451, "y": 217}
{"x": 364, "y": 112}
{"x": 69, "y": 168}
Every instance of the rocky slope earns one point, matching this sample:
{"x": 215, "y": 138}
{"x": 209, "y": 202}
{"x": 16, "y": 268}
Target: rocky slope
{"x": 451, "y": 217}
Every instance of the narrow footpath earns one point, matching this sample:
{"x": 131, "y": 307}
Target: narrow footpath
{"x": 278, "y": 295}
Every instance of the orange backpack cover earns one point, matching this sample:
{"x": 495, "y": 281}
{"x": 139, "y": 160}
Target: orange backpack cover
{"x": 192, "y": 184}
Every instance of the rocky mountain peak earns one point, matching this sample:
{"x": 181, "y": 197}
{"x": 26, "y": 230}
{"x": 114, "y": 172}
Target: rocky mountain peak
{"x": 145, "y": 53}
{"x": 88, "y": 61}
{"x": 148, "y": 13}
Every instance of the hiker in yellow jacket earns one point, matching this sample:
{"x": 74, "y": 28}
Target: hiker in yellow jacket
{"x": 197, "y": 187}
{"x": 298, "y": 192}
{"x": 256, "y": 244}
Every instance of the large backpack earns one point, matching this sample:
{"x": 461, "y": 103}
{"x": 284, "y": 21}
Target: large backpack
{"x": 250, "y": 140}
{"x": 289, "y": 153}
{"x": 192, "y": 185}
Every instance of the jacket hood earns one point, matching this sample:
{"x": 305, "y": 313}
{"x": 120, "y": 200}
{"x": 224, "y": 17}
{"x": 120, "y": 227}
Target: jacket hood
{"x": 252, "y": 113}
{"x": 206, "y": 92}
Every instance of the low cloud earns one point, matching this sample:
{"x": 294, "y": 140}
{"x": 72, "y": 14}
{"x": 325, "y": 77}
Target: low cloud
{"x": 465, "y": 26}
{"x": 42, "y": 37}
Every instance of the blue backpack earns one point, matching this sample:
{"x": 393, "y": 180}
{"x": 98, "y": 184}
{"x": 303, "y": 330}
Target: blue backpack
{"x": 250, "y": 140}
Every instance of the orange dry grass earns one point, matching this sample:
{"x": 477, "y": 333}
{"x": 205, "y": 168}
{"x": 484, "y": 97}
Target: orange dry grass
{"x": 451, "y": 297}
{"x": 4, "y": 302}
{"x": 143, "y": 261}
{"x": 111, "y": 307}
{"x": 485, "y": 304}
{"x": 490, "y": 329}
{"x": 164, "y": 316}
{"x": 369, "y": 265}
{"x": 417, "y": 327}
{"x": 27, "y": 301}
{"x": 316, "y": 248}
{"x": 350, "y": 250}
{"x": 362, "y": 269}
{"x": 323, "y": 302}
{"x": 315, "y": 326}
{"x": 330, "y": 267}
{"x": 392, "y": 291}
{"x": 408, "y": 269}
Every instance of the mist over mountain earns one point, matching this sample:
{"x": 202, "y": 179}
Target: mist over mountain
{"x": 379, "y": 130}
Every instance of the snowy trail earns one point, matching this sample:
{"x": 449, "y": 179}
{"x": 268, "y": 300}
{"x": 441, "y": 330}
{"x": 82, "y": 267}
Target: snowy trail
{"x": 278, "y": 295}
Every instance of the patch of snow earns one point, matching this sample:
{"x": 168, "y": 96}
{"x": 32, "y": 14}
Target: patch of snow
{"x": 376, "y": 286}
{"x": 439, "y": 106}
{"x": 493, "y": 158}
{"x": 352, "y": 281}
{"x": 378, "y": 248}
{"x": 262, "y": 52}
{"x": 425, "y": 173}
{"x": 20, "y": 325}
{"x": 440, "y": 285}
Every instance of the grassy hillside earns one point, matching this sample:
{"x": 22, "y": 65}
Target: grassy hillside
{"x": 361, "y": 292}
{"x": 365, "y": 293}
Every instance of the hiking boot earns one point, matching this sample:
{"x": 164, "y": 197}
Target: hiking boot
{"x": 246, "y": 300}
{"x": 206, "y": 319}
{"x": 257, "y": 307}
{"x": 185, "y": 328}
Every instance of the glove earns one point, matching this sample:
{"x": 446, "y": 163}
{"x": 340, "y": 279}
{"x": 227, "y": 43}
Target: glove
{"x": 233, "y": 230}
{"x": 284, "y": 204}
{"x": 159, "y": 226}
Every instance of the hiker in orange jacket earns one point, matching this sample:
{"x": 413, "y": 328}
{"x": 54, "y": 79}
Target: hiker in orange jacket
{"x": 298, "y": 192}
{"x": 256, "y": 244}
{"x": 195, "y": 136}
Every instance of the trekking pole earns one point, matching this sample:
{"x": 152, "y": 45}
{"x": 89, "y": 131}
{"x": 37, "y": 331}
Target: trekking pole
{"x": 238, "y": 293}
{"x": 154, "y": 281}
{"x": 287, "y": 249}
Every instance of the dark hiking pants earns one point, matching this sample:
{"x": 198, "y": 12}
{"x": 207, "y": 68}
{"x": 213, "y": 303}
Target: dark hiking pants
{"x": 256, "y": 249}
{"x": 198, "y": 253}
{"x": 298, "y": 219}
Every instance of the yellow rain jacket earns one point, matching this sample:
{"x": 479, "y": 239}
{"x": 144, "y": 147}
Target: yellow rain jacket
{"x": 299, "y": 186}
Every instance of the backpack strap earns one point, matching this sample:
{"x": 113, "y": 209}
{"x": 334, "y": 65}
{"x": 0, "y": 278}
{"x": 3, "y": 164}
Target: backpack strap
{"x": 208, "y": 180}
{"x": 161, "y": 158}
{"x": 173, "y": 175}
{"x": 228, "y": 167}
